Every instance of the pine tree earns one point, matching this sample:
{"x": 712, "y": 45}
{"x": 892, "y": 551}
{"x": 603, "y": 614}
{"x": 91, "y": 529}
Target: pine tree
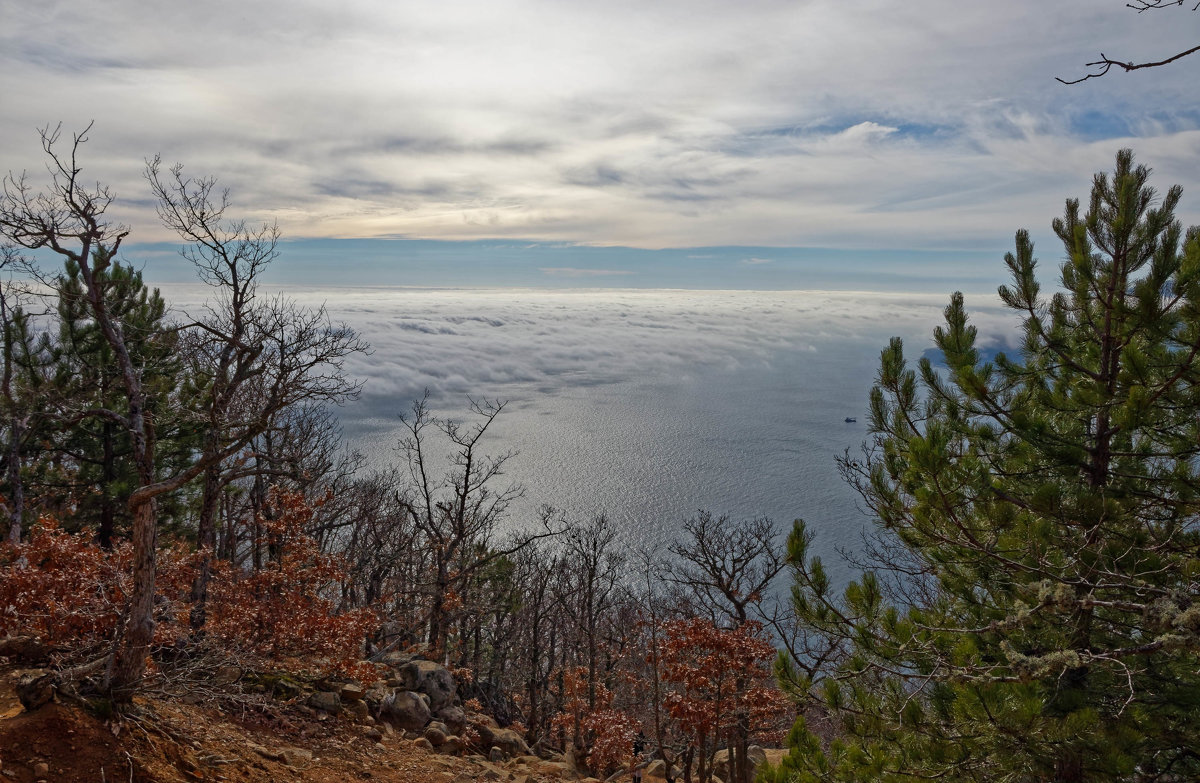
{"x": 88, "y": 379}
{"x": 1034, "y": 613}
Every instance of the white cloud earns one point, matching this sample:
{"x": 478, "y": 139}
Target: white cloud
{"x": 871, "y": 124}
{"x": 461, "y": 341}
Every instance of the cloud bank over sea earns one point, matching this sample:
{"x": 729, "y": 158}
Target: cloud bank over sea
{"x": 489, "y": 342}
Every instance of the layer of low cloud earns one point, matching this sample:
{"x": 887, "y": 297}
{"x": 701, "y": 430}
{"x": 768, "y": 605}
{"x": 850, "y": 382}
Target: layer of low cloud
{"x": 491, "y": 342}
{"x": 680, "y": 124}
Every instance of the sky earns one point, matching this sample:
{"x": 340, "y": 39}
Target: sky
{"x": 756, "y": 144}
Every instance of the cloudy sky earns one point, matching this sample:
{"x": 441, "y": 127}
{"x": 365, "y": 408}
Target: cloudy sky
{"x": 785, "y": 136}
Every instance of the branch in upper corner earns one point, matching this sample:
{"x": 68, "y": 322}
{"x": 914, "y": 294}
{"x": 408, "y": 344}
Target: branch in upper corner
{"x": 1104, "y": 63}
{"x": 1151, "y": 5}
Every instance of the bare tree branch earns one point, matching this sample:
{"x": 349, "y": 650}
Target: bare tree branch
{"x": 1105, "y": 63}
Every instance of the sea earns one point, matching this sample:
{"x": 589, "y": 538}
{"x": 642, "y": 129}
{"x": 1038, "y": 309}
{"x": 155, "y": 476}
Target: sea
{"x": 646, "y": 406}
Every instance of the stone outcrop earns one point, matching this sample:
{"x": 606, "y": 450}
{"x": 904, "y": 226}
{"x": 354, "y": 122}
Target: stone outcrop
{"x": 510, "y": 742}
{"x": 454, "y": 718}
{"x": 326, "y": 701}
{"x": 431, "y": 679}
{"x": 757, "y": 756}
{"x": 405, "y": 710}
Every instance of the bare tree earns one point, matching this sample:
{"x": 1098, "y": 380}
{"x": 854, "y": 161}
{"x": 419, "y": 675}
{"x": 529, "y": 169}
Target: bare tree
{"x": 595, "y": 568}
{"x": 1105, "y": 63}
{"x": 725, "y": 566}
{"x": 253, "y": 357}
{"x": 459, "y": 512}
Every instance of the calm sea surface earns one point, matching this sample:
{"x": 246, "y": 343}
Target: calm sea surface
{"x": 643, "y": 405}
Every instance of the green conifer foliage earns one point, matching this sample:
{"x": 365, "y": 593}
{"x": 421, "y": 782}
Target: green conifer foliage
{"x": 1034, "y": 612}
{"x": 97, "y": 447}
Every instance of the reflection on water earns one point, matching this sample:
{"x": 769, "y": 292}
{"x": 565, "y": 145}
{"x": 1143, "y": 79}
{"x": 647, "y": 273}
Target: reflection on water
{"x": 643, "y": 405}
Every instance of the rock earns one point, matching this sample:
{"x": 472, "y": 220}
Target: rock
{"x": 509, "y": 741}
{"x": 657, "y": 768}
{"x": 373, "y": 734}
{"x": 359, "y": 710}
{"x": 36, "y": 689}
{"x": 295, "y": 757}
{"x": 422, "y": 743}
{"x": 454, "y": 718}
{"x": 41, "y": 769}
{"x": 404, "y": 710}
{"x": 376, "y": 693}
{"x": 495, "y": 754}
{"x": 556, "y": 769}
{"x": 227, "y": 675}
{"x": 431, "y": 679}
{"x": 720, "y": 761}
{"x": 435, "y": 735}
{"x": 327, "y": 701}
{"x": 484, "y": 731}
{"x": 453, "y": 745}
{"x": 352, "y": 691}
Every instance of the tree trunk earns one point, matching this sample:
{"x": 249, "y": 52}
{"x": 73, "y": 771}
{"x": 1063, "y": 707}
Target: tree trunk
{"x": 129, "y": 661}
{"x": 206, "y": 544}
{"x": 108, "y": 475}
{"x": 16, "y": 432}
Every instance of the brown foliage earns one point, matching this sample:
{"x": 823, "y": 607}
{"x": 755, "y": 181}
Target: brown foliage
{"x": 279, "y": 611}
{"x": 61, "y": 588}
{"x": 717, "y": 675}
{"x": 69, "y": 593}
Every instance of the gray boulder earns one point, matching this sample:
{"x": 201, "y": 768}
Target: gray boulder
{"x": 721, "y": 761}
{"x": 404, "y": 710}
{"x": 432, "y": 679}
{"x": 326, "y": 701}
{"x": 484, "y": 732}
{"x": 509, "y": 741}
{"x": 454, "y": 718}
{"x": 435, "y": 735}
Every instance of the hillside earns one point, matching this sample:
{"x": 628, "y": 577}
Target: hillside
{"x": 165, "y": 739}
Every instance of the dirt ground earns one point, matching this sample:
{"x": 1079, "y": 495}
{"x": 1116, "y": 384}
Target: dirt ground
{"x": 167, "y": 741}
